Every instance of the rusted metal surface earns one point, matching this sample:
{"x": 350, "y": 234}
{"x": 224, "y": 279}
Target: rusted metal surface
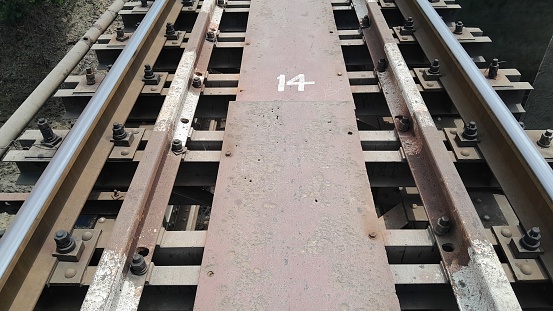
{"x": 299, "y": 37}
{"x": 292, "y": 214}
{"x": 524, "y": 186}
{"x": 475, "y": 273}
{"x": 283, "y": 224}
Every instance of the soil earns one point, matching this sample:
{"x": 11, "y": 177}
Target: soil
{"x": 29, "y": 49}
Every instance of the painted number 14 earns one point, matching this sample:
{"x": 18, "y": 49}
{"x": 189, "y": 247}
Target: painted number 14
{"x": 298, "y": 80}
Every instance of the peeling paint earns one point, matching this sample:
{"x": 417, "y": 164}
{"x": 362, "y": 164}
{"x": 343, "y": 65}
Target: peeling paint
{"x": 476, "y": 292}
{"x": 409, "y": 89}
{"x": 129, "y": 297}
{"x": 175, "y": 97}
{"x": 108, "y": 276}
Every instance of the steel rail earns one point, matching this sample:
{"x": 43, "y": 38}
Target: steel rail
{"x": 23, "y": 225}
{"x": 465, "y": 249}
{"x": 522, "y": 172}
{"x": 30, "y": 107}
{"x": 149, "y": 191}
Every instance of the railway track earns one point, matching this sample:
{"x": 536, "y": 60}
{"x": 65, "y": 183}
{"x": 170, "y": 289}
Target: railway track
{"x": 307, "y": 155}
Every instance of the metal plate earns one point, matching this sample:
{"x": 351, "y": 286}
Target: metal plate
{"x": 299, "y": 37}
{"x": 292, "y": 213}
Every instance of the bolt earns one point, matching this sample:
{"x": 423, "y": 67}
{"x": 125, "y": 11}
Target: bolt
{"x": 196, "y": 82}
{"x": 228, "y": 153}
{"x": 458, "y": 28}
{"x": 470, "y": 132}
{"x": 176, "y": 145}
{"x": 169, "y": 29}
{"x": 87, "y": 236}
{"x": 46, "y": 131}
{"x": 144, "y": 3}
{"x": 442, "y": 225}
{"x": 403, "y": 124}
{"x": 119, "y": 132}
{"x": 372, "y": 235}
{"x": 522, "y": 125}
{"x": 381, "y": 65}
{"x": 434, "y": 67}
{"x": 486, "y": 218}
{"x": 493, "y": 69}
{"x": 120, "y": 35}
{"x": 70, "y": 273}
{"x": 531, "y": 240}
{"x": 210, "y": 36}
{"x": 148, "y": 72}
{"x": 408, "y": 28}
{"x": 64, "y": 242}
{"x": 506, "y": 233}
{"x": 409, "y": 24}
{"x": 90, "y": 77}
{"x": 138, "y": 265}
{"x": 365, "y": 22}
{"x": 526, "y": 269}
{"x": 545, "y": 139}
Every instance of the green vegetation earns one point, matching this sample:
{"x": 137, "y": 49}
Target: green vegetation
{"x": 13, "y": 10}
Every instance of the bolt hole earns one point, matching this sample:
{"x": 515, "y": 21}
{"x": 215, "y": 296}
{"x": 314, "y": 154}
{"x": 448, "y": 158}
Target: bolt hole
{"x": 448, "y": 247}
{"x": 210, "y": 273}
{"x": 316, "y": 200}
{"x": 85, "y": 38}
{"x": 143, "y": 251}
{"x": 350, "y": 133}
{"x": 250, "y": 180}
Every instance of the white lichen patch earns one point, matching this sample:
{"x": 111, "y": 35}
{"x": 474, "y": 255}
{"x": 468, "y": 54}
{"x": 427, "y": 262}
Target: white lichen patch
{"x": 407, "y": 85}
{"x": 107, "y": 281}
{"x": 482, "y": 284}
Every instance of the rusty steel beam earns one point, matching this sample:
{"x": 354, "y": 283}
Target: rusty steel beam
{"x": 476, "y": 275}
{"x": 293, "y": 223}
{"x": 162, "y": 188}
{"x": 524, "y": 176}
{"x": 31, "y": 265}
{"x": 108, "y": 290}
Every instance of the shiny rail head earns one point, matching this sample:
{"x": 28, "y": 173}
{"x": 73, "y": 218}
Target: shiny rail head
{"x": 31, "y": 211}
{"x": 507, "y": 122}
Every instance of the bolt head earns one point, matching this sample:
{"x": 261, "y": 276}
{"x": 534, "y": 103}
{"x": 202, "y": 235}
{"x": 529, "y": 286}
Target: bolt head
{"x": 138, "y": 265}
{"x": 61, "y": 237}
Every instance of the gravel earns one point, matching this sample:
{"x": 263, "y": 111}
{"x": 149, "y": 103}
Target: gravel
{"x": 29, "y": 49}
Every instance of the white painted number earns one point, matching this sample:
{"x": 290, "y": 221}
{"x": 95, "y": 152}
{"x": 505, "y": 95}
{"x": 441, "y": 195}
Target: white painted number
{"x": 298, "y": 80}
